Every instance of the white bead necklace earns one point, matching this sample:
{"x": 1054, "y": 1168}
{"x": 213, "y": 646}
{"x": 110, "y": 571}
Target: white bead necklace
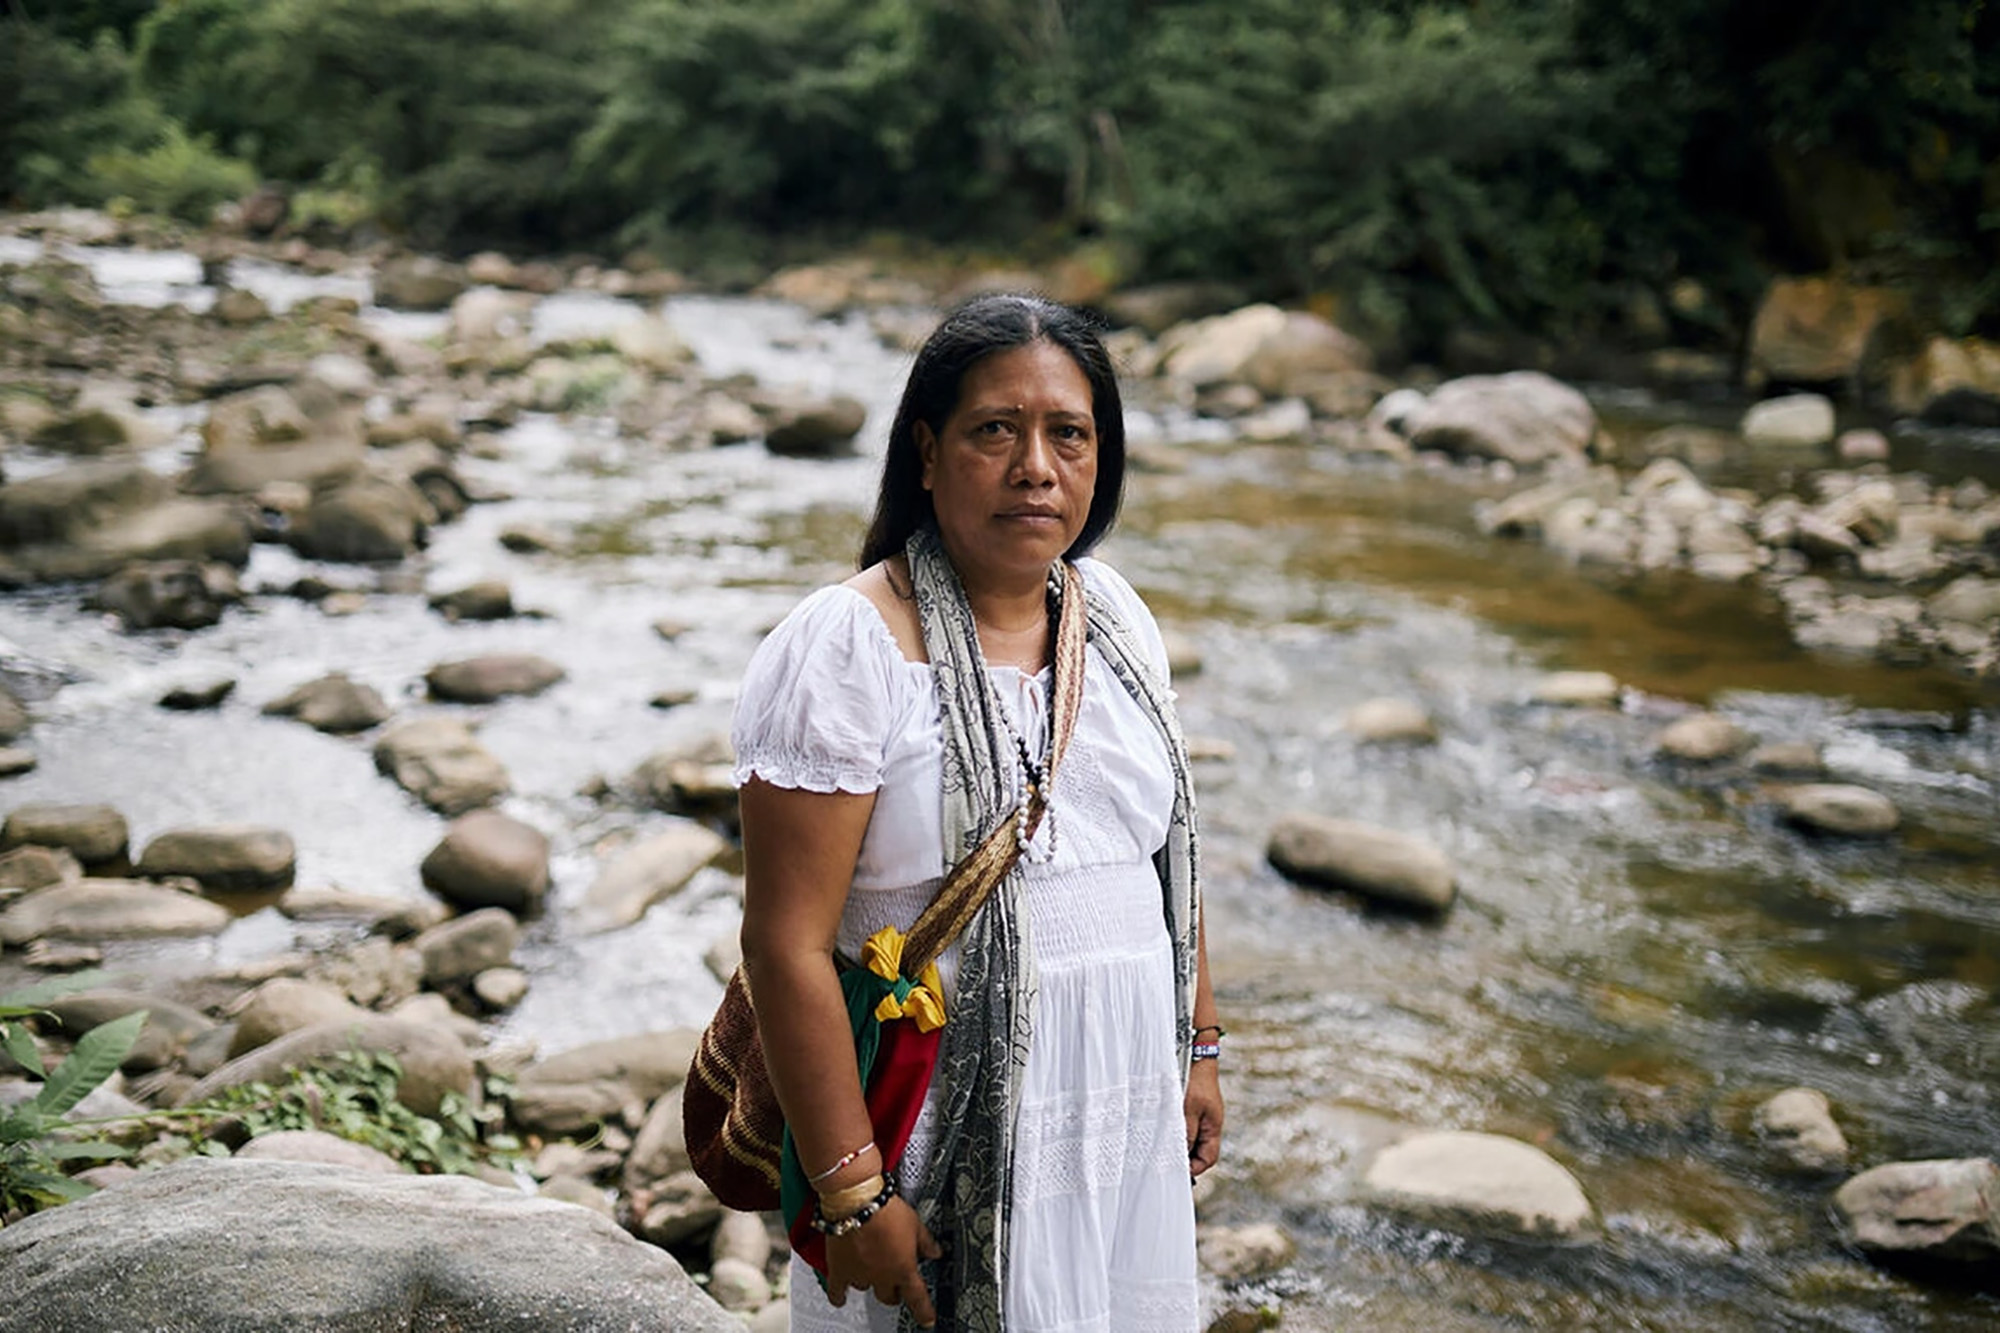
{"x": 1036, "y": 780}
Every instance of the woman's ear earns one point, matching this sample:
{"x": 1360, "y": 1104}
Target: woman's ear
{"x": 927, "y": 446}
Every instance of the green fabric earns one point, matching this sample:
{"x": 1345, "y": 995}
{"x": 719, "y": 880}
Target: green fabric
{"x": 863, "y": 990}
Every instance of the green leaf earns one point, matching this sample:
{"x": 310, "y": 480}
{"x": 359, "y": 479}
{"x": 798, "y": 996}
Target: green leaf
{"x": 20, "y": 1045}
{"x": 47, "y": 1182}
{"x": 92, "y": 1150}
{"x": 96, "y": 1057}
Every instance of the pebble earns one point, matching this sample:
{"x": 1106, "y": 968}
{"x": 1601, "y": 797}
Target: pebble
{"x": 1578, "y": 689}
{"x": 14, "y": 761}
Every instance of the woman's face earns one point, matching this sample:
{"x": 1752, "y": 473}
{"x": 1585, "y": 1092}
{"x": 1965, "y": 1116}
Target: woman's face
{"x": 1013, "y": 470}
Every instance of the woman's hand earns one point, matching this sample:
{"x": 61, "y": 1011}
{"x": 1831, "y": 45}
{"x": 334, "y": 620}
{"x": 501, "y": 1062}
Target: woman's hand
{"x": 881, "y": 1257}
{"x": 1203, "y": 1106}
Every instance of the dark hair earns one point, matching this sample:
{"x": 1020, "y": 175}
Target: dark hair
{"x": 978, "y": 329}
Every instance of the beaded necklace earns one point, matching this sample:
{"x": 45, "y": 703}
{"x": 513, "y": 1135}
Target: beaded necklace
{"x": 1036, "y": 781}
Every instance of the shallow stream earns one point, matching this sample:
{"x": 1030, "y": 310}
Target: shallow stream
{"x": 1640, "y": 955}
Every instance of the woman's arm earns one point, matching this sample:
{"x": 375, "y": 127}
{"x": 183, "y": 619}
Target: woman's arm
{"x": 799, "y": 853}
{"x": 1203, "y": 1104}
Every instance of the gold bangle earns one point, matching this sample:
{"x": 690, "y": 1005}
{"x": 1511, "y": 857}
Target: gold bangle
{"x": 839, "y": 1203}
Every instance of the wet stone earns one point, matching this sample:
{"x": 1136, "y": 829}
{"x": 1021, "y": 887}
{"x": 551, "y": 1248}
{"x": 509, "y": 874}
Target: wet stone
{"x": 1578, "y": 689}
{"x": 96, "y": 834}
{"x": 197, "y": 698}
{"x": 237, "y": 858}
{"x": 487, "y": 859}
{"x": 1786, "y": 759}
{"x": 15, "y": 761}
{"x": 1798, "y": 1123}
{"x": 491, "y": 599}
{"x": 1940, "y": 1209}
{"x": 1839, "y": 808}
{"x": 479, "y": 680}
{"x": 437, "y": 760}
{"x": 1376, "y": 862}
{"x": 38, "y": 867}
{"x": 1481, "y": 1182}
{"x": 1390, "y": 721}
{"x": 1702, "y": 738}
{"x": 333, "y": 704}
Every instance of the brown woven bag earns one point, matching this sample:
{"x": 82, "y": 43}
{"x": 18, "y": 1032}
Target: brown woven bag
{"x": 730, "y": 1116}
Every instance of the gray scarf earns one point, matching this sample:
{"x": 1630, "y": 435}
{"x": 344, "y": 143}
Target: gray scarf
{"x": 967, "y": 1196}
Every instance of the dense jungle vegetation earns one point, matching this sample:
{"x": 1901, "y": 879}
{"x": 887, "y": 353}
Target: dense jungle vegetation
{"x": 1558, "y": 166}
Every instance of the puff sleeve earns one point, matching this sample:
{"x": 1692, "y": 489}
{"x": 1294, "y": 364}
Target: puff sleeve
{"x": 817, "y": 701}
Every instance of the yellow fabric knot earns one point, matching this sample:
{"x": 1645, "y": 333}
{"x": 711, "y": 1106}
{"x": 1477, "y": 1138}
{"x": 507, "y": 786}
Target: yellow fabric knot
{"x": 921, "y": 1001}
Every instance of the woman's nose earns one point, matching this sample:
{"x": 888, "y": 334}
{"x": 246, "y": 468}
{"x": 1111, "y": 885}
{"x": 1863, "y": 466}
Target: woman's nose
{"x": 1035, "y": 460}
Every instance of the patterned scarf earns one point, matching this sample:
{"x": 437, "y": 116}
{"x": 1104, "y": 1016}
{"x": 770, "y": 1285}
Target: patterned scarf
{"x": 966, "y": 1199}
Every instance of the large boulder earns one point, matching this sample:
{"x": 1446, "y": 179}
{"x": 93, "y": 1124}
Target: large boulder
{"x": 1376, "y": 862}
{"x": 1481, "y": 1182}
{"x": 318, "y": 1146}
{"x": 646, "y": 872}
{"x": 108, "y": 909}
{"x": 570, "y": 1092}
{"x": 1941, "y": 1209}
{"x": 433, "y": 1060}
{"x": 481, "y": 680}
{"x": 487, "y": 859}
{"x": 437, "y": 760}
{"x": 233, "y": 858}
{"x": 332, "y": 703}
{"x": 95, "y": 834}
{"x": 1822, "y": 330}
{"x": 1524, "y": 417}
{"x": 259, "y": 1246}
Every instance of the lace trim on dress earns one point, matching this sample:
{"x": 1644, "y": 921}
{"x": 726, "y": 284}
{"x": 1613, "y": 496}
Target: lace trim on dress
{"x": 782, "y": 767}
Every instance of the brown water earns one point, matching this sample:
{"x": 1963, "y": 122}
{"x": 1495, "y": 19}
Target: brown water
{"x": 1641, "y": 954}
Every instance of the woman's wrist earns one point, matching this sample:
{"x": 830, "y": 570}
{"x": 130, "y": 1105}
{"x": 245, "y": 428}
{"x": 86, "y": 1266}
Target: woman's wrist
{"x": 850, "y": 1170}
{"x": 850, "y": 1209}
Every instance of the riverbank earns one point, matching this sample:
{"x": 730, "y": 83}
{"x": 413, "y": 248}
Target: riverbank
{"x": 1643, "y": 947}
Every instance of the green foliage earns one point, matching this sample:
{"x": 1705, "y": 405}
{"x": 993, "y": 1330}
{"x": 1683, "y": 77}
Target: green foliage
{"x": 177, "y": 177}
{"x": 35, "y": 1138}
{"x": 60, "y": 102}
{"x": 355, "y": 1098}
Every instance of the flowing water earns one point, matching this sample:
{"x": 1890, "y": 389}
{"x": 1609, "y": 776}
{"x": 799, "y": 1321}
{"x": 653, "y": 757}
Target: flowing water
{"x": 1640, "y": 955}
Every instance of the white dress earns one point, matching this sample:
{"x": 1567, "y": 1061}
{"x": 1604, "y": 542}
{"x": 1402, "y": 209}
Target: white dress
{"x": 1103, "y": 1236}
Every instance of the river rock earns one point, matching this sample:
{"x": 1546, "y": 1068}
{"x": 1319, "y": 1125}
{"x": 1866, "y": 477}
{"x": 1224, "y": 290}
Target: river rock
{"x": 738, "y": 1286}
{"x": 1237, "y": 1253}
{"x": 481, "y": 680}
{"x": 659, "y": 1149}
{"x": 318, "y": 1146}
{"x": 1871, "y": 511}
{"x": 465, "y": 946}
{"x": 647, "y": 872}
{"x": 1862, "y": 446}
{"x": 1950, "y": 382}
{"x": 489, "y": 599}
{"x": 1524, "y": 417}
{"x": 482, "y": 315}
{"x": 108, "y": 909}
{"x": 692, "y": 779}
{"x": 742, "y": 1237}
{"x": 1800, "y": 420}
{"x": 1817, "y": 330}
{"x": 1160, "y": 306}
{"x": 167, "y": 594}
{"x": 234, "y": 858}
{"x": 567, "y": 1093}
{"x": 1390, "y": 721}
{"x": 433, "y": 1060}
{"x": 1481, "y": 1181}
{"x": 198, "y": 698}
{"x": 1968, "y": 600}
{"x": 652, "y": 344}
{"x": 1939, "y": 1209}
{"x": 169, "y": 1028}
{"x": 1270, "y": 349}
{"x": 362, "y": 520}
{"x": 33, "y": 867}
{"x": 14, "y": 718}
{"x": 1702, "y": 738}
{"x": 398, "y": 918}
{"x": 419, "y": 282}
{"x": 800, "y": 426}
{"x": 1832, "y": 807}
{"x": 487, "y": 859}
{"x": 1792, "y": 759}
{"x": 333, "y": 704}
{"x": 95, "y": 834}
{"x": 284, "y": 1005}
{"x": 58, "y": 507}
{"x": 1799, "y": 1124}
{"x": 437, "y": 760}
{"x": 500, "y": 988}
{"x": 247, "y": 1246}
{"x": 14, "y": 761}
{"x": 1377, "y": 862}
{"x": 678, "y": 1210}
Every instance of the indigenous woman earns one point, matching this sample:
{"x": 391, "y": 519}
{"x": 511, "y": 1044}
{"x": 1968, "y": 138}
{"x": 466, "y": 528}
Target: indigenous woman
{"x": 884, "y": 729}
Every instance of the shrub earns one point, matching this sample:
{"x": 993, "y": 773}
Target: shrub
{"x": 178, "y": 177}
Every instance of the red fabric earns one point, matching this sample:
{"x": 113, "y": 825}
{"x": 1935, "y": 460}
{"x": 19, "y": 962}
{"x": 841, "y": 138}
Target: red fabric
{"x": 896, "y": 1088}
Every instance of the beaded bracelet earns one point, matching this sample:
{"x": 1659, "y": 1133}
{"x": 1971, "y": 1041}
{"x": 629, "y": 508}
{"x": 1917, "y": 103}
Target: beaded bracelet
{"x": 854, "y": 1221}
{"x": 1216, "y": 1028}
{"x": 1207, "y": 1051}
{"x": 851, "y": 1157}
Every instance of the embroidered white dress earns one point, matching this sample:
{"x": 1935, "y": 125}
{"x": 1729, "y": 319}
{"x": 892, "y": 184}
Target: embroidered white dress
{"x": 1103, "y": 1218}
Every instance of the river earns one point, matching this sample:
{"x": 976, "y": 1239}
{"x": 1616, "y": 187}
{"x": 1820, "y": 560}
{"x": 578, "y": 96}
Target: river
{"x": 1639, "y": 955}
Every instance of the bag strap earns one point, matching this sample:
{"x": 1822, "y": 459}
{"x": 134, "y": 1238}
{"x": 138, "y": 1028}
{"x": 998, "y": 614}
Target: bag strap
{"x": 973, "y": 880}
